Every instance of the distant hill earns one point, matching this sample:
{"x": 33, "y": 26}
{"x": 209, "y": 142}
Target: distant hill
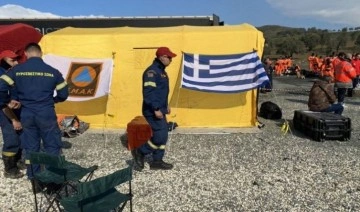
{"x": 280, "y": 40}
{"x": 273, "y": 30}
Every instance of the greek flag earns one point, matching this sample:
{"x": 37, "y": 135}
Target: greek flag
{"x": 222, "y": 73}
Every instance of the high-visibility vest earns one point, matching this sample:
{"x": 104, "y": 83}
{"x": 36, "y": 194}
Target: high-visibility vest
{"x": 328, "y": 70}
{"x": 344, "y": 72}
{"x": 335, "y": 61}
{"x": 356, "y": 64}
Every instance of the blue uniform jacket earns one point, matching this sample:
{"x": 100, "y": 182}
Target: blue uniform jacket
{"x": 155, "y": 89}
{"x": 35, "y": 82}
{"x": 4, "y": 90}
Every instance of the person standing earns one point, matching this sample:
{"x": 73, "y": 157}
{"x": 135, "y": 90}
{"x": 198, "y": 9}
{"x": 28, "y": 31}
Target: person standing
{"x": 327, "y": 70}
{"x": 356, "y": 64}
{"x": 35, "y": 82}
{"x": 155, "y": 89}
{"x": 269, "y": 71}
{"x": 344, "y": 74}
{"x": 311, "y": 61}
{"x": 9, "y": 122}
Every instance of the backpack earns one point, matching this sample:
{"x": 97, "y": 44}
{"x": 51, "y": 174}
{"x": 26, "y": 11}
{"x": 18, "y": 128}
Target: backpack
{"x": 71, "y": 126}
{"x": 270, "y": 110}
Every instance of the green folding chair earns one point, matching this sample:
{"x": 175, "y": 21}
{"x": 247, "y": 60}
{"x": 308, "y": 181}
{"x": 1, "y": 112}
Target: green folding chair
{"x": 100, "y": 195}
{"x": 56, "y": 177}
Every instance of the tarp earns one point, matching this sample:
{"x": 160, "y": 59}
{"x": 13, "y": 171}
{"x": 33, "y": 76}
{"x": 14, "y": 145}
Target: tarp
{"x": 133, "y": 50}
{"x": 15, "y": 37}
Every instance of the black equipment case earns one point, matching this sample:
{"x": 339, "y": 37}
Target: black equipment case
{"x": 322, "y": 126}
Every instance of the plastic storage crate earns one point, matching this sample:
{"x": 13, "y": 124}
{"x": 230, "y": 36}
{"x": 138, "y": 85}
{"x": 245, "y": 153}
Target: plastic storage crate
{"x": 322, "y": 126}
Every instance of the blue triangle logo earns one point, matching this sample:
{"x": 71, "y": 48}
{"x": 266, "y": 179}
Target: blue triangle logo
{"x": 84, "y": 76}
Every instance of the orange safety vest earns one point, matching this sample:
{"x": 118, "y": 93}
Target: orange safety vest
{"x": 344, "y": 72}
{"x": 289, "y": 62}
{"x": 335, "y": 61}
{"x": 328, "y": 71}
{"x": 356, "y": 64}
{"x": 311, "y": 63}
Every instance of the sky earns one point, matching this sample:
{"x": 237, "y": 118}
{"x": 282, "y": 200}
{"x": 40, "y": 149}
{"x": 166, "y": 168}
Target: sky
{"x": 322, "y": 14}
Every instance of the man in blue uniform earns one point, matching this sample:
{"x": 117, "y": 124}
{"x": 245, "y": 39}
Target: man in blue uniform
{"x": 9, "y": 121}
{"x": 154, "y": 108}
{"x": 35, "y": 82}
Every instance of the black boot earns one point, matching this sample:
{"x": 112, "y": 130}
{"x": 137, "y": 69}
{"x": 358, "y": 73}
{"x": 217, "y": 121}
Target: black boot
{"x": 20, "y": 162}
{"x": 160, "y": 165}
{"x": 138, "y": 159}
{"x": 11, "y": 170}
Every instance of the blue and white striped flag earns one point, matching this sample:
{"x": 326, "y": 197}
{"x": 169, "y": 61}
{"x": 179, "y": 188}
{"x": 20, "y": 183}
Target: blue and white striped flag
{"x": 222, "y": 73}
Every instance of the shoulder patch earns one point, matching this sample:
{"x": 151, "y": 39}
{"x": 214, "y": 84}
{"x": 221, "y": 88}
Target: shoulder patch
{"x": 150, "y": 73}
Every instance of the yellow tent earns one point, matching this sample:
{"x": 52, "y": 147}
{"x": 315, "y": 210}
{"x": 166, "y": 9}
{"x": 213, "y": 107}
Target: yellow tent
{"x": 133, "y": 50}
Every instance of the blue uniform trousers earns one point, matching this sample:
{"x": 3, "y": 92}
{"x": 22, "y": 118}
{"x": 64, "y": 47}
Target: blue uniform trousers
{"x": 157, "y": 143}
{"x": 39, "y": 126}
{"x": 336, "y": 108}
{"x": 341, "y": 93}
{"x": 11, "y": 138}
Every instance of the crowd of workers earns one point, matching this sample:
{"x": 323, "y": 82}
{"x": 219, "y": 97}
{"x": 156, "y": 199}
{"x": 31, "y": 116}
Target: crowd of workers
{"x": 339, "y": 76}
{"x": 317, "y": 65}
{"x": 325, "y": 66}
{"x": 343, "y": 70}
{"x": 283, "y": 65}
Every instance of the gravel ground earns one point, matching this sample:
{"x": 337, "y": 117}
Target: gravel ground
{"x": 251, "y": 170}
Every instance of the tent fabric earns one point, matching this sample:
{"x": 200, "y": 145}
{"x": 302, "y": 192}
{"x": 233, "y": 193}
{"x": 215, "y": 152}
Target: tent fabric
{"x": 133, "y": 50}
{"x": 16, "y": 36}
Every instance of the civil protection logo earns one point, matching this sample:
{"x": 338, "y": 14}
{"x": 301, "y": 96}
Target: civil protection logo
{"x": 83, "y": 79}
